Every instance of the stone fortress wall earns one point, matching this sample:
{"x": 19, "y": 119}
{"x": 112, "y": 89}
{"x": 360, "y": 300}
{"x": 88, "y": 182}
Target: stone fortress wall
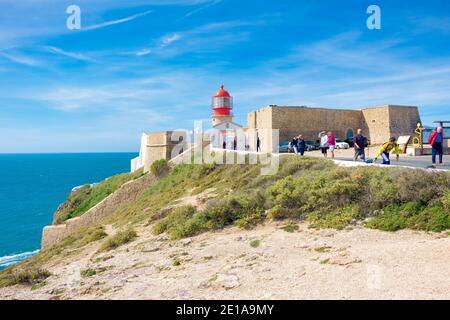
{"x": 378, "y": 123}
{"x": 125, "y": 194}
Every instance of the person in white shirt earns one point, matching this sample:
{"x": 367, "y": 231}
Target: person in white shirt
{"x": 324, "y": 143}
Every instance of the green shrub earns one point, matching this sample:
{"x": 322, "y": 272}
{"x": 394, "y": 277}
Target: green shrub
{"x": 177, "y": 262}
{"x": 38, "y": 286}
{"x": 244, "y": 210}
{"x": 159, "y": 167}
{"x": 412, "y": 215}
{"x": 30, "y": 277}
{"x": 94, "y": 234}
{"x": 338, "y": 219}
{"x": 88, "y": 273}
{"x": 175, "y": 217}
{"x": 255, "y": 243}
{"x": 431, "y": 219}
{"x": 250, "y": 219}
{"x": 291, "y": 228}
{"x": 293, "y": 197}
{"x": 120, "y": 238}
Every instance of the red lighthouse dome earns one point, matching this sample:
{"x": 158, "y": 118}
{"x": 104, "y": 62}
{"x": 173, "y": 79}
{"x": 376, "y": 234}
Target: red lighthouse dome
{"x": 222, "y": 104}
{"x": 222, "y": 92}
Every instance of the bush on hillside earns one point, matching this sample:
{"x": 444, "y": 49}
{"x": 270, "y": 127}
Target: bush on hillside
{"x": 411, "y": 215}
{"x": 175, "y": 217}
{"x": 243, "y": 209}
{"x": 119, "y": 239}
{"x": 159, "y": 167}
{"x": 11, "y": 277}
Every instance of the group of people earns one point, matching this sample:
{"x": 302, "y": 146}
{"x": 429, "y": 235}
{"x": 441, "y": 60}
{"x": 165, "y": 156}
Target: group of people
{"x": 436, "y": 141}
{"x": 360, "y": 143}
{"x": 298, "y": 145}
{"x": 327, "y": 143}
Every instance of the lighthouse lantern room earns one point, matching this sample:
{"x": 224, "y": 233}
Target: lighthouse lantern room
{"x": 222, "y": 104}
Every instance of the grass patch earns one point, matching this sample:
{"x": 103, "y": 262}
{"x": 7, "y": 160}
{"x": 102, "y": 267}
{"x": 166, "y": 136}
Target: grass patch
{"x": 255, "y": 243}
{"x": 291, "y": 228}
{"x": 322, "y": 249}
{"x": 173, "y": 220}
{"x": 38, "y": 286}
{"x": 88, "y": 273}
{"x": 23, "y": 276}
{"x": 325, "y": 261}
{"x": 177, "y": 262}
{"x": 117, "y": 240}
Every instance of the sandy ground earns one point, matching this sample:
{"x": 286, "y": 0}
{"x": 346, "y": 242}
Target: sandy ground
{"x": 356, "y": 263}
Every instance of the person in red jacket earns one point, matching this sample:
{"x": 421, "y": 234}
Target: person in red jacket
{"x": 436, "y": 140}
{"x": 331, "y": 143}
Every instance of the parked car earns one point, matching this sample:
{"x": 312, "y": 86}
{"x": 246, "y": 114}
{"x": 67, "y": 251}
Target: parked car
{"x": 311, "y": 145}
{"x": 284, "y": 147}
{"x": 340, "y": 144}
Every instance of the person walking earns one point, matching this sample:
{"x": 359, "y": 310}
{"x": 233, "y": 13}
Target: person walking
{"x": 436, "y": 140}
{"x": 323, "y": 143}
{"x": 386, "y": 149}
{"x": 301, "y": 144}
{"x": 294, "y": 145}
{"x": 331, "y": 143}
{"x": 359, "y": 144}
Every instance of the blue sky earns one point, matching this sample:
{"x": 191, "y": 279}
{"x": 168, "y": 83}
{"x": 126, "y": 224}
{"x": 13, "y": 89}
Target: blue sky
{"x": 150, "y": 65}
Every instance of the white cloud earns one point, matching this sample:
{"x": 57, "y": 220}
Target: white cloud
{"x": 169, "y": 39}
{"x": 143, "y": 52}
{"x": 204, "y": 38}
{"x": 117, "y": 21}
{"x": 73, "y": 55}
{"x": 20, "y": 59}
{"x": 190, "y": 13}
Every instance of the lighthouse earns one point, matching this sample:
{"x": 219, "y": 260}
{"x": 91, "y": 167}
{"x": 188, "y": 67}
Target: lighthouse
{"x": 222, "y": 105}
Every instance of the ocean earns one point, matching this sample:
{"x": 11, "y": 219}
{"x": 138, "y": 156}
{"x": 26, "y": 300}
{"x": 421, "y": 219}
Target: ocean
{"x": 33, "y": 185}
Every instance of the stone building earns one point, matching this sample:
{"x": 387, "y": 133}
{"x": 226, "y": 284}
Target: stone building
{"x": 158, "y": 145}
{"x": 378, "y": 123}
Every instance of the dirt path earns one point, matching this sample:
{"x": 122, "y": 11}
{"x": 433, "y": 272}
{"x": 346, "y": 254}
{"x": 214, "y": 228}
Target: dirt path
{"x": 357, "y": 263}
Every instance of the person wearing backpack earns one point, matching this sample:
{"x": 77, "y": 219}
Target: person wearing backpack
{"x": 436, "y": 140}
